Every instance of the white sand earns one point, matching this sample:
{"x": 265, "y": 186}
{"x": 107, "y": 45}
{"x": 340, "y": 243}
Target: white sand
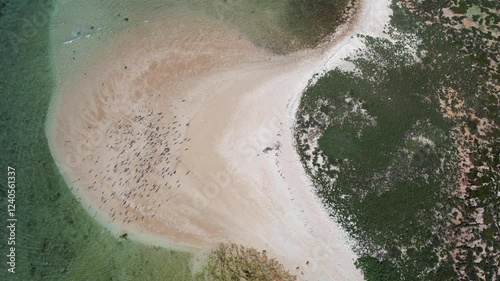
{"x": 216, "y": 102}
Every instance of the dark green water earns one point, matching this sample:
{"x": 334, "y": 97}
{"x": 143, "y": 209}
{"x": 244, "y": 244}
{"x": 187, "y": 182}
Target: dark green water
{"x": 283, "y": 25}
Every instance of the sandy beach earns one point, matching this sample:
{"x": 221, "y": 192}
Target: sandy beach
{"x": 183, "y": 138}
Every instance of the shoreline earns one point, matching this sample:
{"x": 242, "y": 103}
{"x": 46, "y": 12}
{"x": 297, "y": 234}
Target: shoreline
{"x": 225, "y": 105}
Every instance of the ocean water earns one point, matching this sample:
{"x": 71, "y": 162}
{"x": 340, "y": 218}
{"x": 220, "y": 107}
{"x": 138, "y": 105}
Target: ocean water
{"x": 56, "y": 239}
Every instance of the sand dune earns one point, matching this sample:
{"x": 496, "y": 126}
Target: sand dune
{"x": 183, "y": 138}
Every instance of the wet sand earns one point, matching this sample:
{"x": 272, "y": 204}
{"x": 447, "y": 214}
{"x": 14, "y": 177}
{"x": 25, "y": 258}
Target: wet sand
{"x": 183, "y": 138}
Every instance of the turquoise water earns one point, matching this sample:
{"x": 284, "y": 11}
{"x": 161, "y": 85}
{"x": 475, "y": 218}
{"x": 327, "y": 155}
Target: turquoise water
{"x": 56, "y": 239}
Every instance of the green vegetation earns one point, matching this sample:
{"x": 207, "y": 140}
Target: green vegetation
{"x": 392, "y": 165}
{"x": 376, "y": 270}
{"x": 461, "y": 8}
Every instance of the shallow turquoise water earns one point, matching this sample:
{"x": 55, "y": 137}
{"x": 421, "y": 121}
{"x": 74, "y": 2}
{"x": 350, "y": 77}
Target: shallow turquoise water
{"x": 55, "y": 238}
